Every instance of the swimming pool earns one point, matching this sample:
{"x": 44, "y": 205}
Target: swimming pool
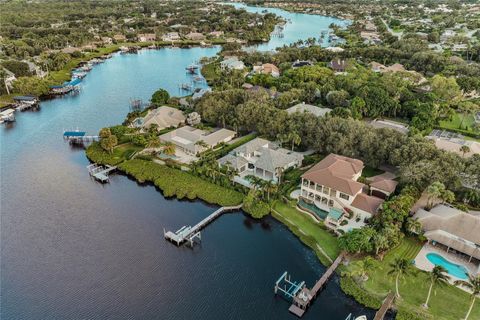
{"x": 452, "y": 268}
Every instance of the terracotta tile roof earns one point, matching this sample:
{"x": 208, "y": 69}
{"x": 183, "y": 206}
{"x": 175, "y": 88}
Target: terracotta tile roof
{"x": 337, "y": 172}
{"x": 367, "y": 203}
{"x": 384, "y": 184}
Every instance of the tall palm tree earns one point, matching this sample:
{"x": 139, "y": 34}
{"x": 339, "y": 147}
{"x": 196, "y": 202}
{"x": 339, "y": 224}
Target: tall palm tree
{"x": 270, "y": 188}
{"x": 413, "y": 226}
{"x": 473, "y": 284}
{"x": 399, "y": 268}
{"x": 256, "y": 182}
{"x": 360, "y": 268}
{"x": 295, "y": 139}
{"x": 464, "y": 150}
{"x": 437, "y": 276}
{"x": 435, "y": 190}
{"x": 153, "y": 142}
{"x": 169, "y": 149}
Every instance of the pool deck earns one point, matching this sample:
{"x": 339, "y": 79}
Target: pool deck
{"x": 423, "y": 263}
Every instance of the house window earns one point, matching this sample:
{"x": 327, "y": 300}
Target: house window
{"x": 344, "y": 196}
{"x": 318, "y": 188}
{"x": 333, "y": 192}
{"x": 326, "y": 190}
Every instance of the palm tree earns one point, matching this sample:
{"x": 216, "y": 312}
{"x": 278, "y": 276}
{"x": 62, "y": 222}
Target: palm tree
{"x": 434, "y": 190}
{"x": 464, "y": 150}
{"x": 270, "y": 188}
{"x": 255, "y": 181}
{"x": 473, "y": 284}
{"x": 169, "y": 149}
{"x": 380, "y": 242}
{"x": 153, "y": 142}
{"x": 360, "y": 268}
{"x": 437, "y": 276}
{"x": 413, "y": 226}
{"x": 295, "y": 139}
{"x": 400, "y": 268}
{"x": 201, "y": 144}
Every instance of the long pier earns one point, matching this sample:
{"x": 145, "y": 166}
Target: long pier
{"x": 387, "y": 304}
{"x": 77, "y": 136}
{"x": 302, "y": 296}
{"x": 191, "y": 233}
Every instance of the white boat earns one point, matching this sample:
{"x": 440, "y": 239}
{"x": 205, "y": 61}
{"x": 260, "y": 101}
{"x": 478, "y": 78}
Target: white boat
{"x": 350, "y": 317}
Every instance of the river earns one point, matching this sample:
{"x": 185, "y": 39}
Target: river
{"x": 72, "y": 248}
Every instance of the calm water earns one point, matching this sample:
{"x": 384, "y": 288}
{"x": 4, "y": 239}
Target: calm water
{"x": 302, "y": 26}
{"x": 75, "y": 249}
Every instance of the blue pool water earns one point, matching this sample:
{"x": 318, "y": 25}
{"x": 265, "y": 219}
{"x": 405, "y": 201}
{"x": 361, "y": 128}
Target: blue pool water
{"x": 452, "y": 268}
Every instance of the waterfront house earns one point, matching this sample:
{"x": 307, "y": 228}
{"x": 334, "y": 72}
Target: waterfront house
{"x": 171, "y": 36}
{"x": 119, "y": 38}
{"x": 267, "y": 68}
{"x": 164, "y": 117}
{"x": 107, "y": 40}
{"x": 261, "y": 158}
{"x": 147, "y": 37}
{"x": 216, "y": 34}
{"x": 303, "y": 107}
{"x": 195, "y": 36}
{"x": 453, "y": 230}
{"x": 331, "y": 187}
{"x": 232, "y": 63}
{"x": 187, "y": 139}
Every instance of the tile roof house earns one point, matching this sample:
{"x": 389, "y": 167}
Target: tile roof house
{"x": 332, "y": 184}
{"x": 187, "y": 138}
{"x": 195, "y": 36}
{"x": 232, "y": 63}
{"x": 163, "y": 117}
{"x": 452, "y": 228}
{"x": 267, "y": 68}
{"x": 303, "y": 107}
{"x": 261, "y": 158}
{"x": 146, "y": 37}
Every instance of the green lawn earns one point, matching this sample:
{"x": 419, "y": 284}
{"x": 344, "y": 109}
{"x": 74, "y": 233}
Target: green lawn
{"x": 121, "y": 153}
{"x": 446, "y": 303}
{"x": 310, "y": 232}
{"x": 454, "y": 123}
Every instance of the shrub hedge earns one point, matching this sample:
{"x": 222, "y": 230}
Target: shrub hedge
{"x": 174, "y": 182}
{"x": 350, "y": 287}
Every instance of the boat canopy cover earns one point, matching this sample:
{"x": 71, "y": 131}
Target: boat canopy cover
{"x": 74, "y": 133}
{"x": 73, "y": 82}
{"x": 24, "y": 98}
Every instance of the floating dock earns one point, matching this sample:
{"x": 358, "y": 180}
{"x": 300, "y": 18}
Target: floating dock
{"x": 189, "y": 234}
{"x": 300, "y": 295}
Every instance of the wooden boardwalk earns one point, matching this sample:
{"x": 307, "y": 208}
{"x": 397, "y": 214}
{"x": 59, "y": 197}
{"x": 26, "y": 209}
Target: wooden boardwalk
{"x": 190, "y": 233}
{"x": 387, "y": 304}
{"x": 302, "y": 300}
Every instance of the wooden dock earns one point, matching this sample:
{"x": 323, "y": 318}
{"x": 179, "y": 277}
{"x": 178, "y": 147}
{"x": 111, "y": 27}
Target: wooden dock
{"x": 191, "y": 233}
{"x": 100, "y": 173}
{"x": 77, "y": 136}
{"x": 387, "y": 304}
{"x": 302, "y": 296}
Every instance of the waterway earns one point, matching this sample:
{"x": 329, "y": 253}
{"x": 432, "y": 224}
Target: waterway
{"x": 72, "y": 248}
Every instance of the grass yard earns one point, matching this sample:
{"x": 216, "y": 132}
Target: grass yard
{"x": 454, "y": 123}
{"x": 446, "y": 303}
{"x": 310, "y": 232}
{"x": 121, "y": 153}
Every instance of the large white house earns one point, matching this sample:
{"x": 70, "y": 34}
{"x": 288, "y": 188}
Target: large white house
{"x": 192, "y": 140}
{"x": 260, "y": 158}
{"x": 330, "y": 189}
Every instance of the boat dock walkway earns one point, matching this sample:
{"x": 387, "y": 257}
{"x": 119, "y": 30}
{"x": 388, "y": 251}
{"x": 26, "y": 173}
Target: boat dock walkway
{"x": 387, "y": 304}
{"x": 302, "y": 296}
{"x": 190, "y": 233}
{"x": 99, "y": 172}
